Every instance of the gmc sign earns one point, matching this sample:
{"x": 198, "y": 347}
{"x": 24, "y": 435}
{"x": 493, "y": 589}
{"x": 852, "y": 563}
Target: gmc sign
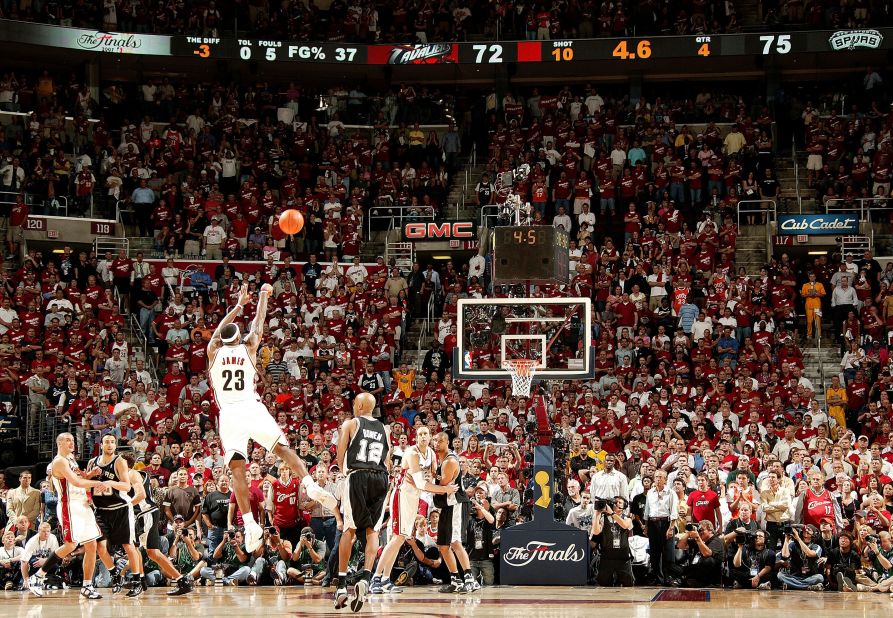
{"x": 443, "y": 230}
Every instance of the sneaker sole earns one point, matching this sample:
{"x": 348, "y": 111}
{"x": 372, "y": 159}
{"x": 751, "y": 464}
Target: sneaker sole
{"x": 359, "y": 596}
{"x": 340, "y": 602}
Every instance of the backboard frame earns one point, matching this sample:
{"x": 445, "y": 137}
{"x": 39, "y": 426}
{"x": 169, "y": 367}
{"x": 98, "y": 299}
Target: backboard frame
{"x": 587, "y": 371}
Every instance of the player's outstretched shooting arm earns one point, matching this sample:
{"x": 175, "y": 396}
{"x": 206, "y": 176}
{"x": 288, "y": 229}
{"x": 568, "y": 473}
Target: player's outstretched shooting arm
{"x": 229, "y": 318}
{"x": 257, "y": 326}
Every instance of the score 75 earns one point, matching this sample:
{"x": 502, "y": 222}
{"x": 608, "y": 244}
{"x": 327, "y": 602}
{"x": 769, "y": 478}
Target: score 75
{"x": 782, "y": 43}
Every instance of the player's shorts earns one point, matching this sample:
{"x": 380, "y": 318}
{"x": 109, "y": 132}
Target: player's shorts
{"x": 147, "y": 529}
{"x": 814, "y": 162}
{"x": 247, "y": 421}
{"x": 404, "y": 509}
{"x": 117, "y": 525}
{"x": 367, "y": 491}
{"x": 77, "y": 521}
{"x": 453, "y": 523}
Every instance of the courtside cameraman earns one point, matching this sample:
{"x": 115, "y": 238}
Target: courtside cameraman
{"x": 610, "y": 535}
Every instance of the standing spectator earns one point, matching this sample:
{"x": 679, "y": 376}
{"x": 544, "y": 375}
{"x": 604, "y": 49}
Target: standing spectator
{"x": 23, "y": 500}
{"x": 212, "y": 240}
{"x": 143, "y": 199}
{"x": 145, "y": 301}
{"x": 182, "y": 499}
{"x": 661, "y": 507}
{"x": 18, "y": 215}
{"x": 843, "y": 300}
{"x": 813, "y": 292}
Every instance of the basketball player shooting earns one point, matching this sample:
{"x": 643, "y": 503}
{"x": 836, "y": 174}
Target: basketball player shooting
{"x": 243, "y": 416}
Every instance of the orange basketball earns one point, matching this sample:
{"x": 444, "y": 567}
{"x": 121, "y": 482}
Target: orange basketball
{"x": 291, "y": 221}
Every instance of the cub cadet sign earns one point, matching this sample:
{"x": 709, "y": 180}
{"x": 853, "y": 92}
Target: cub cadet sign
{"x": 442, "y": 230}
{"x": 817, "y": 225}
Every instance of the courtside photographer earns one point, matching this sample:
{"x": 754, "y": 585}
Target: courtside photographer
{"x": 610, "y": 536}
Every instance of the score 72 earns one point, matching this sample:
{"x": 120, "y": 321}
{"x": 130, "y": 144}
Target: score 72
{"x": 782, "y": 43}
{"x": 495, "y": 52}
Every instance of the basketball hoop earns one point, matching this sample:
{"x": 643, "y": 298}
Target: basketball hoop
{"x": 521, "y": 371}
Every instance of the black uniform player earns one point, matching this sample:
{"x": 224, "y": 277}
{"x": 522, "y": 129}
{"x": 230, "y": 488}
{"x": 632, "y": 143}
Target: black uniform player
{"x": 114, "y": 513}
{"x": 148, "y": 515}
{"x": 364, "y": 455}
{"x": 453, "y": 524}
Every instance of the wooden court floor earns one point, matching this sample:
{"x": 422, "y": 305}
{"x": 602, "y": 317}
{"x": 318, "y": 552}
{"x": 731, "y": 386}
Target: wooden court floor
{"x": 526, "y": 602}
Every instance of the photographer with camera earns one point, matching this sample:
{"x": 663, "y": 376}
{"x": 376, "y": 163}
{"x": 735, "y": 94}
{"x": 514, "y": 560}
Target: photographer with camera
{"x": 232, "y": 560}
{"x": 803, "y": 556}
{"x": 738, "y": 529}
{"x": 306, "y": 565}
{"x": 704, "y": 554}
{"x": 480, "y": 537}
{"x": 880, "y": 552}
{"x": 274, "y": 559}
{"x": 186, "y": 553}
{"x": 610, "y": 534}
{"x": 843, "y": 563}
{"x": 753, "y": 562}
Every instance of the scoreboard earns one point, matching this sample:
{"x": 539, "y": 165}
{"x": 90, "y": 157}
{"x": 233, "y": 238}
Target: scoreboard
{"x": 628, "y": 50}
{"x": 531, "y": 254}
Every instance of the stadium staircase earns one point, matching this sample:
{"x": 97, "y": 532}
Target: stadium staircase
{"x": 821, "y": 362}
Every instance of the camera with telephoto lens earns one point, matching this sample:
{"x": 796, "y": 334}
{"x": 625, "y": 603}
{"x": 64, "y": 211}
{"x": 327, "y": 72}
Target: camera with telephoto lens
{"x": 309, "y": 537}
{"x": 873, "y": 538}
{"x": 690, "y": 527}
{"x": 789, "y": 528}
{"x": 748, "y": 537}
{"x": 600, "y": 504}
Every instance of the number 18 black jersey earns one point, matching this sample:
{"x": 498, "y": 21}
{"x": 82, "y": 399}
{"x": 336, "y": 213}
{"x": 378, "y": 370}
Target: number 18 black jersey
{"x": 368, "y": 446}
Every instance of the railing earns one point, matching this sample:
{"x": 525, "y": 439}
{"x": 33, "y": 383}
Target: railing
{"x": 104, "y": 244}
{"x": 396, "y": 216}
{"x": 136, "y": 334}
{"x": 771, "y": 213}
{"x": 426, "y": 327}
{"x": 861, "y": 206}
{"x": 489, "y": 215}
{"x": 43, "y": 424}
{"x": 796, "y": 173}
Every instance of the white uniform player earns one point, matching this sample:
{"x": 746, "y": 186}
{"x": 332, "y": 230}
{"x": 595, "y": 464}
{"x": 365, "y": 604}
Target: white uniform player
{"x": 416, "y": 475}
{"x": 407, "y": 496}
{"x": 243, "y": 416}
{"x": 76, "y": 518}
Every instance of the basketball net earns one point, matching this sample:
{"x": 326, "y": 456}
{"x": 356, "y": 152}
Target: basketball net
{"x": 521, "y": 371}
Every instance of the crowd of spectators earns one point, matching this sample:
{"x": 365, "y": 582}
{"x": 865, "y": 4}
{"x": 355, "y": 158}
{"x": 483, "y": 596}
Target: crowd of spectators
{"x": 407, "y": 21}
{"x": 177, "y": 155}
{"x": 598, "y": 160}
{"x": 858, "y": 14}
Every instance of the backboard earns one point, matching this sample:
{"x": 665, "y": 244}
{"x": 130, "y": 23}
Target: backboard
{"x": 555, "y": 332}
